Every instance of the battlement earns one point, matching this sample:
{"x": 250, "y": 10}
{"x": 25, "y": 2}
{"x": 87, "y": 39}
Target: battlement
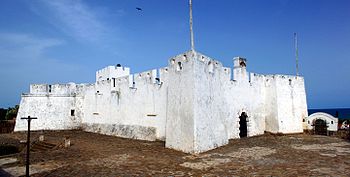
{"x": 187, "y": 59}
{"x": 57, "y": 90}
{"x": 137, "y": 80}
{"x": 112, "y": 72}
{"x": 118, "y": 75}
{"x": 238, "y": 73}
{"x": 239, "y": 62}
{"x": 53, "y": 89}
{"x": 269, "y": 78}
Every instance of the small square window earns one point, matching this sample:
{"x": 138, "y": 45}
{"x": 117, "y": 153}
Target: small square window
{"x": 179, "y": 66}
{"x": 72, "y": 112}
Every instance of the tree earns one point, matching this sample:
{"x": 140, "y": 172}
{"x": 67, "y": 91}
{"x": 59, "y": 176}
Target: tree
{"x": 3, "y": 113}
{"x": 12, "y": 113}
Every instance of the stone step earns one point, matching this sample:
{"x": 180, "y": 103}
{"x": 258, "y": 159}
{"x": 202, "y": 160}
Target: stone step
{"x": 46, "y": 144}
{"x": 42, "y": 146}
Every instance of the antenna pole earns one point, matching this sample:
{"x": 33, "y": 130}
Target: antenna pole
{"x": 296, "y": 53}
{"x": 191, "y": 28}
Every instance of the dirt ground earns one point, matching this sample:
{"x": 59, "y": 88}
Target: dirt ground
{"x": 98, "y": 155}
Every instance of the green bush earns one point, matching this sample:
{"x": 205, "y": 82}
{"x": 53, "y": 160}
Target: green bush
{"x": 8, "y": 114}
{"x": 12, "y": 113}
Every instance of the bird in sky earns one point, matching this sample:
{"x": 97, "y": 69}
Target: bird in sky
{"x": 138, "y": 8}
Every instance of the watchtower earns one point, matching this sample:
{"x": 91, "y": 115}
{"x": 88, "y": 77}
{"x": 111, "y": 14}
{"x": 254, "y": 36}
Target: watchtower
{"x": 240, "y": 69}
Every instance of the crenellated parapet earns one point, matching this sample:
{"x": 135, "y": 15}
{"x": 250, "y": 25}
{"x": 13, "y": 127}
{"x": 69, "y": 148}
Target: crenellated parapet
{"x": 69, "y": 89}
{"x": 112, "y": 72}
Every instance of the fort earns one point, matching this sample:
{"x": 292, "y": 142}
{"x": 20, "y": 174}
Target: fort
{"x": 194, "y": 104}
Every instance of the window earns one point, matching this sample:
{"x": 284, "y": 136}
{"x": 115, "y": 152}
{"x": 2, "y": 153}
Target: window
{"x": 157, "y": 80}
{"x": 210, "y": 67}
{"x": 184, "y": 57}
{"x": 72, "y": 112}
{"x": 332, "y": 122}
{"x": 242, "y": 63}
{"x": 179, "y": 66}
{"x": 49, "y": 88}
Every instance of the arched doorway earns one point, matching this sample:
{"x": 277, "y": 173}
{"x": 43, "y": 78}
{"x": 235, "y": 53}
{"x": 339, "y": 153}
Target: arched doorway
{"x": 331, "y": 122}
{"x": 320, "y": 127}
{"x": 243, "y": 130}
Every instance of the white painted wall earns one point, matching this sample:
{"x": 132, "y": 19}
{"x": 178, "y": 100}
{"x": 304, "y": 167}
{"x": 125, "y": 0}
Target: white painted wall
{"x": 141, "y": 105}
{"x": 249, "y": 97}
{"x": 53, "y": 112}
{"x": 331, "y": 121}
{"x": 193, "y": 105}
{"x": 209, "y": 104}
{"x": 291, "y": 103}
{"x": 180, "y": 104}
{"x": 110, "y": 72}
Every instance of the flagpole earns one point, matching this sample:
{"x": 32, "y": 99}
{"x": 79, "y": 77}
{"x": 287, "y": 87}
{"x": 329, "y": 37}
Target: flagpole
{"x": 296, "y": 53}
{"x": 191, "y": 27}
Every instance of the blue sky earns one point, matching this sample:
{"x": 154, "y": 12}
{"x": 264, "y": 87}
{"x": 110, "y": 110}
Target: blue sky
{"x": 49, "y": 41}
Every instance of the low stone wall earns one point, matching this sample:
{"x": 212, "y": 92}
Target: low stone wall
{"x": 124, "y": 131}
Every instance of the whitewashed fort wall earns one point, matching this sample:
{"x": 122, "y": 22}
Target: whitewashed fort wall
{"x": 52, "y": 105}
{"x": 194, "y": 104}
{"x": 130, "y": 106}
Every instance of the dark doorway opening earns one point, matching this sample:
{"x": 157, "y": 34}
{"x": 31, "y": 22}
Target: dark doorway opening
{"x": 320, "y": 127}
{"x": 243, "y": 130}
{"x": 72, "y": 112}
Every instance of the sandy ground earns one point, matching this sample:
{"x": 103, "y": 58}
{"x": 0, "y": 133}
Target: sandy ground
{"x": 99, "y": 155}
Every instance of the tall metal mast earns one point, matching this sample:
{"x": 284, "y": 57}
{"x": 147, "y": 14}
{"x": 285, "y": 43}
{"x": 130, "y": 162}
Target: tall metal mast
{"x": 191, "y": 28}
{"x": 296, "y": 53}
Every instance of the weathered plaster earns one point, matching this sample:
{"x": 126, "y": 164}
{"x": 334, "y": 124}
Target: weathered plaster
{"x": 192, "y": 103}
